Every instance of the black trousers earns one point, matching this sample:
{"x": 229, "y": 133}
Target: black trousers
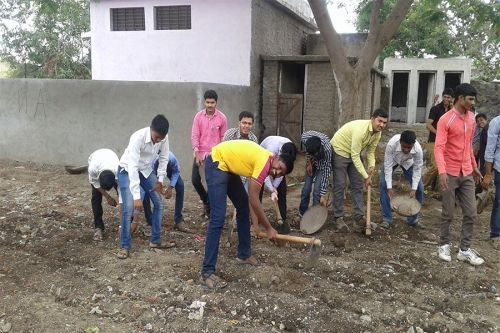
{"x": 198, "y": 184}
{"x": 281, "y": 197}
{"x": 97, "y": 206}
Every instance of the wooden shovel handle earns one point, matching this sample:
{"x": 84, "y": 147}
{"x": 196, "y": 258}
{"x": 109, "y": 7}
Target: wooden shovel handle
{"x": 369, "y": 211}
{"x": 277, "y": 212}
{"x": 293, "y": 239}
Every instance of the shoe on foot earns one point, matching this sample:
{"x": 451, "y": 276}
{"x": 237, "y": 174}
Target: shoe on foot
{"x": 444, "y": 252}
{"x": 495, "y": 242}
{"x": 181, "y": 226}
{"x": 162, "y": 245}
{"x": 122, "y": 254}
{"x": 252, "y": 261}
{"x": 213, "y": 282}
{"x": 385, "y": 225}
{"x": 283, "y": 229}
{"x": 339, "y": 225}
{"x": 206, "y": 211}
{"x": 418, "y": 226}
{"x": 471, "y": 256}
{"x": 98, "y": 234}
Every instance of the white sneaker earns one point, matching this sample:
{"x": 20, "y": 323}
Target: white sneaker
{"x": 471, "y": 256}
{"x": 444, "y": 252}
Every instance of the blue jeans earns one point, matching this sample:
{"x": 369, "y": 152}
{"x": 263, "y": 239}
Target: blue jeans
{"x": 495, "y": 212}
{"x": 385, "y": 201}
{"x": 179, "y": 202}
{"x": 147, "y": 185}
{"x": 221, "y": 185}
{"x": 305, "y": 195}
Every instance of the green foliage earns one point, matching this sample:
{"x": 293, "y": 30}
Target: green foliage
{"x": 42, "y": 38}
{"x": 445, "y": 28}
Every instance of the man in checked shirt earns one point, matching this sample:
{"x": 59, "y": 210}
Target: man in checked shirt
{"x": 318, "y": 169}
{"x": 348, "y": 143}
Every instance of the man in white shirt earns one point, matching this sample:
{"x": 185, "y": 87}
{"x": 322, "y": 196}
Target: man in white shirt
{"x": 278, "y": 145}
{"x": 135, "y": 171}
{"x": 103, "y": 164}
{"x": 402, "y": 150}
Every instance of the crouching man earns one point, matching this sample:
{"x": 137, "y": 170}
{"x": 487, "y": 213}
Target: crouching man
{"x": 228, "y": 162}
{"x": 103, "y": 164}
{"x": 402, "y": 150}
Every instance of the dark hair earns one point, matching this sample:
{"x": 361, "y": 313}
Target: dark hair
{"x": 210, "y": 94}
{"x": 481, "y": 115}
{"x": 465, "y": 89}
{"x": 313, "y": 145}
{"x": 380, "y": 113}
{"x": 408, "y": 137}
{"x": 447, "y": 91}
{"x": 160, "y": 125}
{"x": 288, "y": 161}
{"x": 107, "y": 180}
{"x": 245, "y": 114}
{"x": 290, "y": 149}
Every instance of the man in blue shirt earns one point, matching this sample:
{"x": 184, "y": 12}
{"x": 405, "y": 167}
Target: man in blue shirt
{"x": 176, "y": 182}
{"x": 492, "y": 159}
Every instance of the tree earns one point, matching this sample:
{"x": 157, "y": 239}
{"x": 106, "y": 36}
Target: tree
{"x": 445, "y": 29}
{"x": 42, "y": 38}
{"x": 351, "y": 76}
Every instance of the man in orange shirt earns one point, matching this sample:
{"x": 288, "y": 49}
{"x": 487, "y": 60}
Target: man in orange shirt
{"x": 457, "y": 172}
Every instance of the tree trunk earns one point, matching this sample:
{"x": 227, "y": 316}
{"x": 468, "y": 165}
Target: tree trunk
{"x": 353, "y": 98}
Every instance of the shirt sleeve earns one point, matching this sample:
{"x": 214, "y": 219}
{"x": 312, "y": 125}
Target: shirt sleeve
{"x": 134, "y": 150}
{"x": 418, "y": 162}
{"x": 94, "y": 178}
{"x": 388, "y": 164}
{"x": 432, "y": 113}
{"x": 223, "y": 128}
{"x": 356, "y": 147}
{"x": 227, "y": 135}
{"x": 493, "y": 133}
{"x": 269, "y": 184}
{"x": 163, "y": 160}
{"x": 441, "y": 139}
{"x": 370, "y": 150}
{"x": 326, "y": 165}
{"x": 260, "y": 174}
{"x": 195, "y": 133}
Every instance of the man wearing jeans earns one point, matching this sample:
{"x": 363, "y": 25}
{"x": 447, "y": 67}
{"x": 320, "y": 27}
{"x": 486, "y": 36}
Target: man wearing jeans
{"x": 318, "y": 169}
{"x": 348, "y": 143}
{"x": 229, "y": 161}
{"x": 402, "y": 150}
{"x": 209, "y": 126}
{"x": 492, "y": 158}
{"x": 135, "y": 172}
{"x": 176, "y": 182}
{"x": 457, "y": 167}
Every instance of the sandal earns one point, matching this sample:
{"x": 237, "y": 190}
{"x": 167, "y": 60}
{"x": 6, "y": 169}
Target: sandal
{"x": 213, "y": 282}
{"x": 98, "y": 234}
{"x": 122, "y": 254}
{"x": 166, "y": 245}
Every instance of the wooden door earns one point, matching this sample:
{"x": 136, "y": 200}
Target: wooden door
{"x": 290, "y": 116}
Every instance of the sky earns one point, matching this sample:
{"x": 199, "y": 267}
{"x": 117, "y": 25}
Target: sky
{"x": 343, "y": 18}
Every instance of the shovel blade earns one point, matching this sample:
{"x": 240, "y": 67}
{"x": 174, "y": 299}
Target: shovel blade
{"x": 314, "y": 255}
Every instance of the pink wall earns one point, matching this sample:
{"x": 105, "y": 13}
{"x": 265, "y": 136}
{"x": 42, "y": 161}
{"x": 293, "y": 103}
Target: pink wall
{"x": 216, "y": 49}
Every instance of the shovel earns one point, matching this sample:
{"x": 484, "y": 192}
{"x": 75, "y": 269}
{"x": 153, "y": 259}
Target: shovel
{"x": 368, "y": 230}
{"x": 314, "y": 242}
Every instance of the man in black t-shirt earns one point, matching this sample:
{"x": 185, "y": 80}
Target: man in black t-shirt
{"x": 434, "y": 114}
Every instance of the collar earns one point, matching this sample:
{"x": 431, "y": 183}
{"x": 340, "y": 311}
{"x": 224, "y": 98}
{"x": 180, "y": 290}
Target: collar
{"x": 398, "y": 148}
{"x": 205, "y": 112}
{"x": 370, "y": 126}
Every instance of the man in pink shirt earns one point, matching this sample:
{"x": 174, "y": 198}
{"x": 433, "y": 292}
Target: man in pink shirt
{"x": 209, "y": 126}
{"x": 458, "y": 172}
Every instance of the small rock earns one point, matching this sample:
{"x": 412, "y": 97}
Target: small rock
{"x": 497, "y": 300}
{"x": 148, "y": 327}
{"x": 170, "y": 309}
{"x": 493, "y": 289}
{"x": 95, "y": 310}
{"x": 97, "y": 297}
{"x": 366, "y": 318}
{"x": 410, "y": 330}
{"x": 419, "y": 330}
{"x": 233, "y": 312}
{"x": 400, "y": 312}
{"x": 5, "y": 327}
{"x": 275, "y": 279}
{"x": 282, "y": 327}
{"x": 180, "y": 298}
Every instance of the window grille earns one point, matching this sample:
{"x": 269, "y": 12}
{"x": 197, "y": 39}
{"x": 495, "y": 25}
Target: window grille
{"x": 172, "y": 17}
{"x": 127, "y": 19}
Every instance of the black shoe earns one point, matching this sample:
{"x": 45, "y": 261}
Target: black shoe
{"x": 206, "y": 210}
{"x": 283, "y": 229}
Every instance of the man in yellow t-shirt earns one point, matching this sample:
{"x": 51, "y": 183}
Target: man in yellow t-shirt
{"x": 223, "y": 168}
{"x": 348, "y": 143}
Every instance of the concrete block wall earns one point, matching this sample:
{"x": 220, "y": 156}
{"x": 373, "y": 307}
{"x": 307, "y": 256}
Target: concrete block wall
{"x": 274, "y": 32}
{"x": 64, "y": 121}
{"x": 320, "y": 98}
{"x": 270, "y": 85}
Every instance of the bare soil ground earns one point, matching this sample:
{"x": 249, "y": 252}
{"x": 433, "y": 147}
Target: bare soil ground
{"x": 54, "y": 278}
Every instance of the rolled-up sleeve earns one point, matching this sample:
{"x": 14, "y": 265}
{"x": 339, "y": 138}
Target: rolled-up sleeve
{"x": 163, "y": 159}
{"x": 418, "y": 163}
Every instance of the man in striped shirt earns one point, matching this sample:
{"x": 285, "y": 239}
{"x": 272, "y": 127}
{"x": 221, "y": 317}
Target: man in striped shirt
{"x": 244, "y": 129}
{"x": 318, "y": 169}
{"x": 457, "y": 169}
